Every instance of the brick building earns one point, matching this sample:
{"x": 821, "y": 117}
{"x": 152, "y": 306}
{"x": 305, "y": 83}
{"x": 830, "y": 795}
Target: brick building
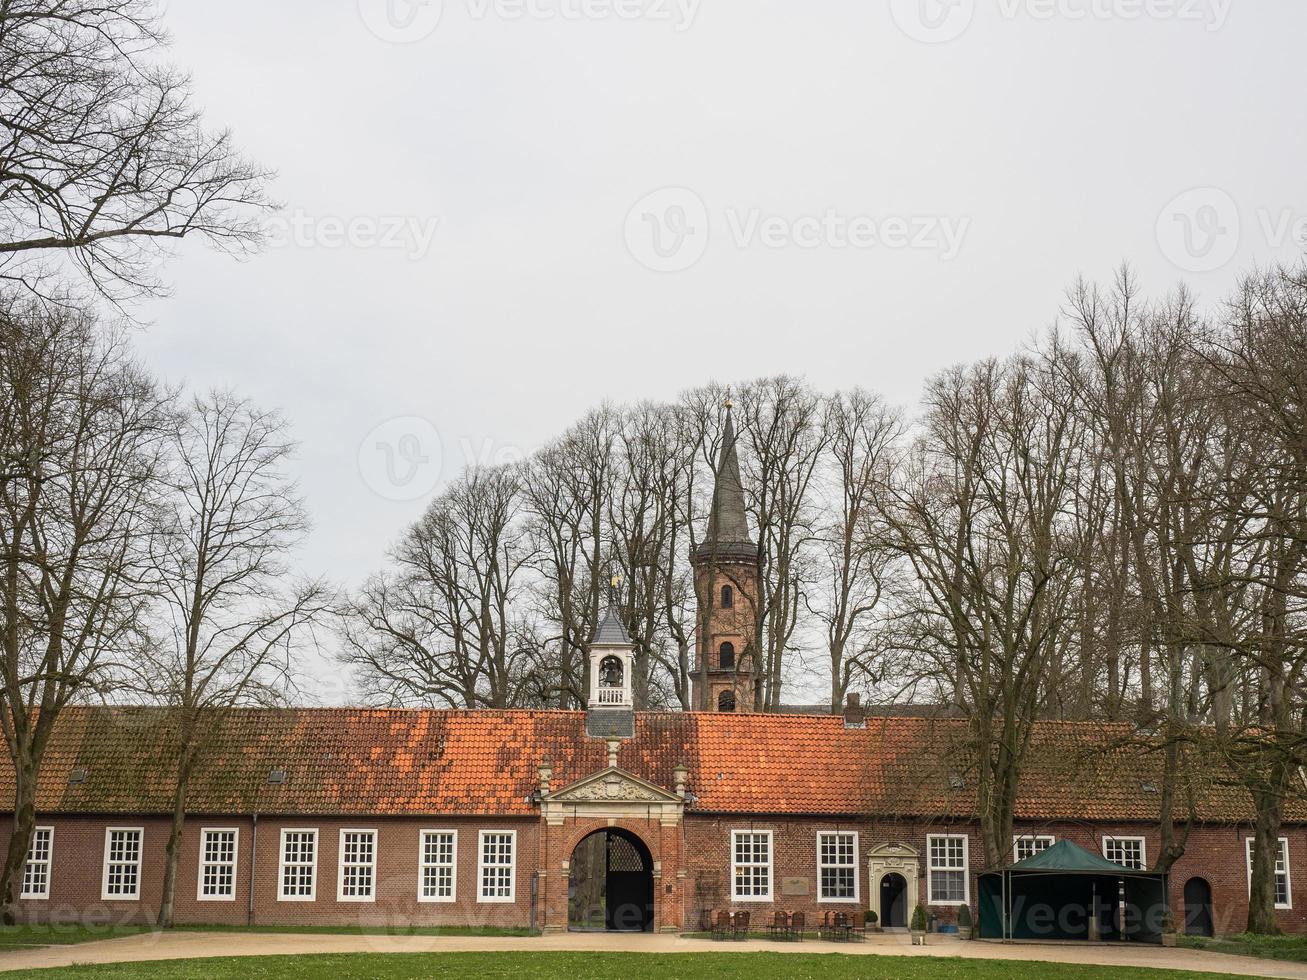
{"x": 506, "y": 818}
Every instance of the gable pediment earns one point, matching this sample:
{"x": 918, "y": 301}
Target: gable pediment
{"x": 613, "y": 786}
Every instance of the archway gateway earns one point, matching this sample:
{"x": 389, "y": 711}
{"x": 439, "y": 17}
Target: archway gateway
{"x": 610, "y": 885}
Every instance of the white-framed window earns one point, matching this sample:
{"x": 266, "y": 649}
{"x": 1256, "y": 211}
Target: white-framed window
{"x": 437, "y": 865}
{"x": 298, "y": 868}
{"x": 36, "y": 872}
{"x": 496, "y": 865}
{"x": 751, "y": 860}
{"x": 357, "y": 873}
{"x": 1028, "y": 845}
{"x": 1129, "y": 852}
{"x": 1283, "y": 893}
{"x": 837, "y": 866}
{"x": 122, "y": 863}
{"x": 947, "y": 876}
{"x": 217, "y": 878}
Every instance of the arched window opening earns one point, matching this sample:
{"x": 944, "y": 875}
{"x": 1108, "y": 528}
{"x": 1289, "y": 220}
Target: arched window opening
{"x": 728, "y": 597}
{"x": 726, "y": 701}
{"x": 726, "y": 656}
{"x": 610, "y": 672}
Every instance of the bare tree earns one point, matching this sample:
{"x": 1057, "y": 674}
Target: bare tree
{"x": 443, "y": 626}
{"x": 81, "y": 429}
{"x": 567, "y": 487}
{"x": 229, "y": 623}
{"x": 980, "y": 514}
{"x": 861, "y": 439}
{"x": 104, "y": 158}
{"x": 781, "y": 418}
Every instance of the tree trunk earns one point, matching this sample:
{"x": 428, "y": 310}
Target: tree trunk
{"x": 1266, "y": 847}
{"x": 19, "y": 843}
{"x": 173, "y": 850}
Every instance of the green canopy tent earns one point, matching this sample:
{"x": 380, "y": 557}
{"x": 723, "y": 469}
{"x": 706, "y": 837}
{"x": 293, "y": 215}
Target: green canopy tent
{"x": 1067, "y": 892}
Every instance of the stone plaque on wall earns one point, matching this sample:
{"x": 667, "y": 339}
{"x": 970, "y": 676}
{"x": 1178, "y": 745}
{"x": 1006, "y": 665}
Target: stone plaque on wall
{"x": 794, "y": 886}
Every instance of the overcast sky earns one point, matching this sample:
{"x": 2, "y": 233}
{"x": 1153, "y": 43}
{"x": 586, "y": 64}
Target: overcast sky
{"x": 503, "y": 212}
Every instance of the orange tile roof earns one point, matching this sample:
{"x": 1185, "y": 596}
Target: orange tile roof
{"x": 394, "y": 761}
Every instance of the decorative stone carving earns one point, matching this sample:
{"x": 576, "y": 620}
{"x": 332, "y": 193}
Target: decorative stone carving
{"x": 613, "y": 793}
{"x": 612, "y": 787}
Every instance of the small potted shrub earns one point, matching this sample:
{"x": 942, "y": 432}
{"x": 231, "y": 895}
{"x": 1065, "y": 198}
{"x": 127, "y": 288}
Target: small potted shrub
{"x": 873, "y": 920}
{"x": 966, "y": 926}
{"x": 917, "y": 926}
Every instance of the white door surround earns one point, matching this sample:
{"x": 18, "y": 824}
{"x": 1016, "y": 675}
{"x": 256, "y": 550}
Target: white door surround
{"x": 897, "y": 859}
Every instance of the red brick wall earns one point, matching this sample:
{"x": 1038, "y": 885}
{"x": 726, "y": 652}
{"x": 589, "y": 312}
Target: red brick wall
{"x": 78, "y": 857}
{"x": 694, "y": 869}
{"x": 1215, "y": 853}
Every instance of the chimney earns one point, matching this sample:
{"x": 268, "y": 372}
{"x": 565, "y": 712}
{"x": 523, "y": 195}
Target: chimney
{"x": 854, "y": 717}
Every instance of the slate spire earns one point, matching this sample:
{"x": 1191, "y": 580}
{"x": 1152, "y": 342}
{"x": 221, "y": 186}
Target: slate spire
{"x": 728, "y": 526}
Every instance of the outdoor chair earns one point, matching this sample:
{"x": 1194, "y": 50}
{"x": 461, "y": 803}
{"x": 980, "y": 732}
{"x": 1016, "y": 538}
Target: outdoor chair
{"x": 780, "y": 925}
{"x": 858, "y": 927}
{"x": 722, "y": 925}
{"x": 797, "y": 921}
{"x": 741, "y": 927}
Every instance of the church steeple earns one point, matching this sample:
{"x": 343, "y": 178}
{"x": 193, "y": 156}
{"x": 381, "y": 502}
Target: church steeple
{"x": 725, "y": 580}
{"x": 727, "y": 533}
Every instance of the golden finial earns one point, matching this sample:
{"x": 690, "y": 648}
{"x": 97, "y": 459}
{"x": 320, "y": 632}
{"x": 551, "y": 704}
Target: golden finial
{"x": 728, "y": 402}
{"x": 616, "y": 582}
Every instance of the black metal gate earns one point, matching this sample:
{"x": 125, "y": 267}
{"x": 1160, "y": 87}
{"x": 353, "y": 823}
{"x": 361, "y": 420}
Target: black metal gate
{"x": 610, "y": 884}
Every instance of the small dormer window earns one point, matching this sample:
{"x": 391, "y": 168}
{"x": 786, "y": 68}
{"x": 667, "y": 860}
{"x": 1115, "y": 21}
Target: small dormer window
{"x": 728, "y": 597}
{"x": 726, "y": 656}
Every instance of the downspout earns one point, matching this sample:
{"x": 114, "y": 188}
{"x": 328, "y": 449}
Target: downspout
{"x": 254, "y": 846}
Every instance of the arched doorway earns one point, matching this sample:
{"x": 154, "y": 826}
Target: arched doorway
{"x": 894, "y": 901}
{"x": 610, "y": 883}
{"x": 1197, "y": 907}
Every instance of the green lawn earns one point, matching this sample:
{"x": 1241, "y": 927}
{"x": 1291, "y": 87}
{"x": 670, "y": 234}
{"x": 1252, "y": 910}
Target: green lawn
{"x": 1269, "y": 947}
{"x": 598, "y": 966}
{"x": 16, "y": 937}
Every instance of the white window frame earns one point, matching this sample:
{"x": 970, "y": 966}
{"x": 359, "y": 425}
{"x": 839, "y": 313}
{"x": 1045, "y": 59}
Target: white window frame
{"x": 1033, "y": 838}
{"x": 1143, "y": 850}
{"x": 1288, "y": 877}
{"x": 424, "y": 865}
{"x": 371, "y": 865}
{"x": 235, "y": 859}
{"x": 135, "y": 895}
{"x": 820, "y": 866}
{"x": 770, "y": 865}
{"x": 931, "y": 868}
{"x": 47, "y": 862}
{"x": 482, "y": 897}
{"x": 312, "y": 865}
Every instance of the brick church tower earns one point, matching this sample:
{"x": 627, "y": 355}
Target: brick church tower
{"x": 725, "y": 581}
